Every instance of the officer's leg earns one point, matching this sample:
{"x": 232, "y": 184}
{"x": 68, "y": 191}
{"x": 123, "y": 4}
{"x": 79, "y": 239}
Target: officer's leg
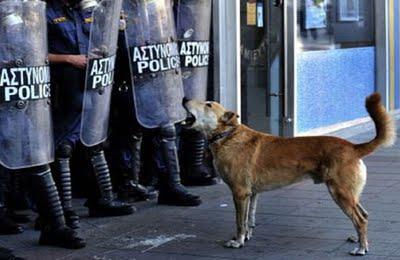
{"x": 149, "y": 154}
{"x": 54, "y": 232}
{"x": 63, "y": 180}
{"x": 7, "y": 225}
{"x": 131, "y": 187}
{"x": 126, "y": 142}
{"x": 172, "y": 192}
{"x": 195, "y": 172}
{"x": 105, "y": 205}
{"x": 17, "y": 198}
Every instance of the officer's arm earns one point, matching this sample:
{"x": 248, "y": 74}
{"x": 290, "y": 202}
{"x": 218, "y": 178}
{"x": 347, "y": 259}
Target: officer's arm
{"x": 78, "y": 61}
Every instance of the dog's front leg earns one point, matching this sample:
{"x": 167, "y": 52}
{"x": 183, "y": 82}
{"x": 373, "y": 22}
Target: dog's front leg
{"x": 252, "y": 216}
{"x": 242, "y": 209}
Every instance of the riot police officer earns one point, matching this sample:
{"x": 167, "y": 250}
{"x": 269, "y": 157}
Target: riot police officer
{"x": 69, "y": 24}
{"x": 99, "y": 88}
{"x": 193, "y": 23}
{"x": 157, "y": 88}
{"x": 26, "y": 142}
{"x": 126, "y": 134}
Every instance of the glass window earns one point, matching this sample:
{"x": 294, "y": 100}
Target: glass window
{"x": 335, "y": 24}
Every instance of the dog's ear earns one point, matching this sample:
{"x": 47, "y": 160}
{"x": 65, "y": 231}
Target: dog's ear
{"x": 230, "y": 118}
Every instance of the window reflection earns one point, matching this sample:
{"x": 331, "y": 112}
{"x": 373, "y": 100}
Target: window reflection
{"x": 335, "y": 24}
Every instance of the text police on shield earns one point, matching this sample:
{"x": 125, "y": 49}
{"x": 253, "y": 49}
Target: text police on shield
{"x": 155, "y": 58}
{"x": 29, "y": 83}
{"x": 101, "y": 72}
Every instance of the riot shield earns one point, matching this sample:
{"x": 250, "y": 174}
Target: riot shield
{"x": 193, "y": 23}
{"x": 26, "y": 132}
{"x": 100, "y": 72}
{"x": 154, "y": 61}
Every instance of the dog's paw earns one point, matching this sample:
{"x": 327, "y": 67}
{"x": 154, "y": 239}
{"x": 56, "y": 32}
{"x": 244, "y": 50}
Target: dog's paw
{"x": 359, "y": 251}
{"x": 249, "y": 234}
{"x": 352, "y": 239}
{"x": 233, "y": 244}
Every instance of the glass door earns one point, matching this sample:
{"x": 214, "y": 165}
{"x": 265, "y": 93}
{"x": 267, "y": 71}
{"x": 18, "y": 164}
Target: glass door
{"x": 262, "y": 75}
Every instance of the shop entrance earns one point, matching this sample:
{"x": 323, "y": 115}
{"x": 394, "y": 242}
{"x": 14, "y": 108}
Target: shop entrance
{"x": 262, "y": 65}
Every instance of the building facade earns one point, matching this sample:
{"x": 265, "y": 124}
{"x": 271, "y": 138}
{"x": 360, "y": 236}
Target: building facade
{"x": 298, "y": 67}
{"x": 395, "y": 33}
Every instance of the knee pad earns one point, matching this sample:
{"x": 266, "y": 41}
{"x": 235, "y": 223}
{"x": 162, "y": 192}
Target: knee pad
{"x": 64, "y": 150}
{"x": 168, "y": 132}
{"x": 95, "y": 150}
{"x": 136, "y": 137}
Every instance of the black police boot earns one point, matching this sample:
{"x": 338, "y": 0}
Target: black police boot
{"x": 7, "y": 225}
{"x": 172, "y": 192}
{"x": 105, "y": 206}
{"x": 7, "y": 254}
{"x": 54, "y": 231}
{"x": 64, "y": 184}
{"x": 131, "y": 188}
{"x": 17, "y": 198}
{"x": 18, "y": 218}
{"x": 65, "y": 190}
{"x": 195, "y": 172}
{"x": 153, "y": 185}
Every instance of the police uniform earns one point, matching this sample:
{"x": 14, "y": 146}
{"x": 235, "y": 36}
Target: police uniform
{"x": 26, "y": 127}
{"x": 68, "y": 33}
{"x": 193, "y": 23}
{"x": 158, "y": 90}
{"x": 7, "y": 225}
{"x": 69, "y": 30}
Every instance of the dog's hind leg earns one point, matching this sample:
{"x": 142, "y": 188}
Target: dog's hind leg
{"x": 349, "y": 204}
{"x": 354, "y": 239}
{"x": 242, "y": 214}
{"x": 252, "y": 216}
{"x": 363, "y": 210}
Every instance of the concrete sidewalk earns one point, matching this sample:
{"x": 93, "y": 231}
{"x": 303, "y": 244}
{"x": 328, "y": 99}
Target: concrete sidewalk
{"x": 298, "y": 222}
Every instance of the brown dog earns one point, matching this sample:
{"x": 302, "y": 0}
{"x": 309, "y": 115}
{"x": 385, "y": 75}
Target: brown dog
{"x": 251, "y": 162}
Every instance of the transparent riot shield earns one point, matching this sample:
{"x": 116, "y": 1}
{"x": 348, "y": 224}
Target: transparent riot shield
{"x": 26, "y": 132}
{"x": 100, "y": 72}
{"x": 154, "y": 61}
{"x": 193, "y": 23}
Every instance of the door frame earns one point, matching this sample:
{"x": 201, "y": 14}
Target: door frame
{"x": 227, "y": 76}
{"x": 382, "y": 49}
{"x": 290, "y": 67}
{"x": 226, "y": 33}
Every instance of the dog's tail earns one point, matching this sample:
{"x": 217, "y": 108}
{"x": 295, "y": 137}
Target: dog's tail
{"x": 384, "y": 125}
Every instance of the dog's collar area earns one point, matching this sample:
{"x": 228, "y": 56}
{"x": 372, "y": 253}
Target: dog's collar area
{"x": 217, "y": 137}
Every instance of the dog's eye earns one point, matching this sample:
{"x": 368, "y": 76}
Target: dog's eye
{"x": 209, "y": 104}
